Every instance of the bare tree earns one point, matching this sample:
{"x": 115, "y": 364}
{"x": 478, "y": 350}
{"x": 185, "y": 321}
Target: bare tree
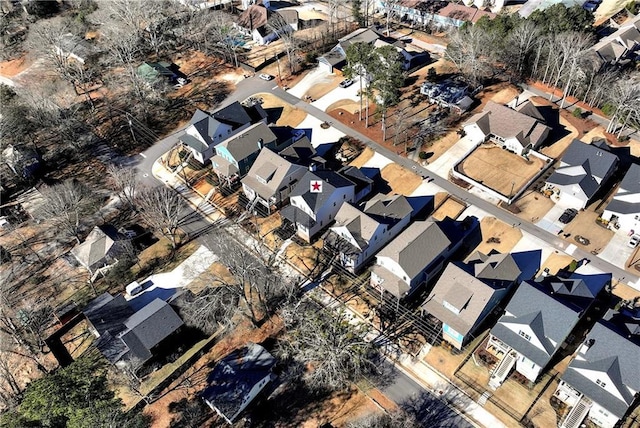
{"x": 468, "y": 49}
{"x": 161, "y": 208}
{"x": 522, "y": 41}
{"x": 10, "y": 389}
{"x": 333, "y": 348}
{"x": 67, "y": 204}
{"x": 285, "y": 32}
{"x": 391, "y": 9}
{"x": 625, "y": 96}
{"x": 212, "y": 308}
{"x": 396, "y": 418}
{"x": 126, "y": 373}
{"x": 124, "y": 181}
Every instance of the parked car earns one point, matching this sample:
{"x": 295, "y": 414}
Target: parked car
{"x": 634, "y": 241}
{"x": 568, "y": 215}
{"x": 265, "y": 76}
{"x": 346, "y": 83}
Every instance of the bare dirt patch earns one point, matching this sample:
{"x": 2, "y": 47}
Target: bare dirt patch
{"x": 555, "y": 262}
{"x": 15, "y": 66}
{"x": 499, "y": 169}
{"x": 501, "y": 93}
{"x": 363, "y": 158}
{"x": 506, "y": 235}
{"x": 585, "y": 225}
{"x": 288, "y": 115}
{"x": 351, "y": 106}
{"x": 320, "y": 89}
{"x": 401, "y": 180}
{"x": 440, "y": 146}
{"x": 450, "y": 208}
{"x": 533, "y": 206}
{"x": 304, "y": 258}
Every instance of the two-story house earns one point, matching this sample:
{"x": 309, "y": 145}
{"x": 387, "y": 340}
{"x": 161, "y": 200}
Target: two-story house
{"x": 358, "y": 235}
{"x": 583, "y": 169}
{"x": 538, "y": 321}
{"x": 603, "y": 380}
{"x": 467, "y": 293}
{"x": 237, "y": 380}
{"x": 623, "y": 212}
{"x": 418, "y": 254}
{"x": 235, "y": 155}
{"x": 206, "y": 131}
{"x": 271, "y": 179}
{"x": 315, "y": 201}
{"x": 519, "y": 130}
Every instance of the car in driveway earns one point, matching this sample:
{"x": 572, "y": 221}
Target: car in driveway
{"x": 346, "y": 83}
{"x": 634, "y": 241}
{"x": 568, "y": 215}
{"x": 265, "y": 76}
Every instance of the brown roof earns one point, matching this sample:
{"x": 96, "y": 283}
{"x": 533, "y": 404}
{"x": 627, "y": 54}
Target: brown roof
{"x": 464, "y": 13}
{"x": 505, "y": 122}
{"x": 255, "y": 16}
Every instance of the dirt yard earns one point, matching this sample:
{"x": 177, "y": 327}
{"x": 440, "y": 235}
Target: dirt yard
{"x": 329, "y": 83}
{"x": 287, "y": 115}
{"x": 555, "y": 262}
{"x": 448, "y": 208}
{"x": 508, "y": 236}
{"x": 363, "y": 158}
{"x": 350, "y": 106}
{"x": 501, "y": 93}
{"x": 401, "y": 180}
{"x": 441, "y": 145}
{"x": 267, "y": 226}
{"x": 585, "y": 225}
{"x": 499, "y": 169}
{"x": 533, "y": 206}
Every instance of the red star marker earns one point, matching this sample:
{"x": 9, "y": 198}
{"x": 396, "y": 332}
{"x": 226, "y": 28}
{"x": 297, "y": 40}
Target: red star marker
{"x": 316, "y": 186}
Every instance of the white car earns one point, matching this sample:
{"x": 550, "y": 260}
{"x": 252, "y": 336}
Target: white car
{"x": 265, "y": 76}
{"x": 634, "y": 241}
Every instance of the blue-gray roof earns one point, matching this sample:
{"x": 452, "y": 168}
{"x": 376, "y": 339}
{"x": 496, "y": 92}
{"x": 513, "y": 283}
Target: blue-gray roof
{"x": 630, "y": 185}
{"x": 330, "y": 182}
{"x": 598, "y": 161}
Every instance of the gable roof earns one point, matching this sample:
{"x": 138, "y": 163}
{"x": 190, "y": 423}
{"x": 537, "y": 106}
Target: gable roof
{"x": 609, "y": 352}
{"x": 460, "y": 289}
{"x": 417, "y": 246}
{"x": 234, "y": 114}
{"x": 627, "y": 198}
{"x": 549, "y": 319}
{"x": 463, "y": 13}
{"x": 254, "y": 17}
{"x": 361, "y": 226}
{"x": 330, "y": 182}
{"x": 389, "y": 209}
{"x": 508, "y": 267}
{"x": 505, "y": 122}
{"x": 106, "y": 313}
{"x": 96, "y": 246}
{"x": 273, "y": 169}
{"x": 243, "y": 144}
{"x": 235, "y": 376}
{"x": 615, "y": 45}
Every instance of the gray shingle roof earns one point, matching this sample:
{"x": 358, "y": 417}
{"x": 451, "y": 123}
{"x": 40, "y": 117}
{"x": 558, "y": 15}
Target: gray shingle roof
{"x": 235, "y": 376}
{"x": 623, "y": 201}
{"x": 330, "y": 182}
{"x": 96, "y": 246}
{"x": 613, "y": 354}
{"x": 546, "y": 316}
{"x": 107, "y": 313}
{"x": 153, "y": 323}
{"x": 276, "y": 171}
{"x": 249, "y": 141}
{"x": 599, "y": 162}
{"x": 388, "y": 209}
{"x": 417, "y": 246}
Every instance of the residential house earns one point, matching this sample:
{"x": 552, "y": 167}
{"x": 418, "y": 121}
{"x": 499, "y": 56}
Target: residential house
{"x": 602, "y": 381}
{"x": 75, "y": 48}
{"x": 621, "y": 46}
{"x": 583, "y": 169}
{"x": 235, "y": 156}
{"x": 358, "y": 235}
{"x": 337, "y": 57}
{"x": 448, "y": 93}
{"x": 23, "y": 161}
{"x": 237, "y": 380}
{"x": 99, "y": 249}
{"x": 539, "y": 320}
{"x": 364, "y": 179}
{"x": 152, "y": 71}
{"x": 440, "y": 14}
{"x": 623, "y": 212}
{"x": 271, "y": 179}
{"x": 519, "y": 130}
{"x": 467, "y": 293}
{"x": 313, "y": 208}
{"x": 302, "y": 152}
{"x": 255, "y": 22}
{"x": 124, "y": 334}
{"x": 418, "y": 254}
{"x": 206, "y": 131}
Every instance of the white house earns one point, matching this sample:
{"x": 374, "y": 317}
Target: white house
{"x": 603, "y": 380}
{"x": 358, "y": 235}
{"x": 519, "y": 130}
{"x": 418, "y": 254}
{"x": 623, "y": 212}
{"x": 583, "y": 169}
{"x": 313, "y": 209}
{"x": 237, "y": 380}
{"x": 538, "y": 320}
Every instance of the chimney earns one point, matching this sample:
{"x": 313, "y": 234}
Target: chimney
{"x": 587, "y": 345}
{"x": 313, "y": 167}
{"x": 260, "y": 143}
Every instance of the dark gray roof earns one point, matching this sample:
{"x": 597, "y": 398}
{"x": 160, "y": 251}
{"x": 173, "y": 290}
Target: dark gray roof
{"x": 300, "y": 152}
{"x": 358, "y": 176}
{"x": 616, "y": 357}
{"x": 235, "y": 376}
{"x": 388, "y": 209}
{"x": 107, "y": 313}
{"x": 205, "y": 124}
{"x": 598, "y": 161}
{"x": 564, "y": 176}
{"x": 249, "y": 141}
{"x": 330, "y": 182}
{"x": 549, "y": 319}
{"x": 152, "y": 324}
{"x": 235, "y": 114}
{"x": 297, "y": 216}
{"x": 630, "y": 185}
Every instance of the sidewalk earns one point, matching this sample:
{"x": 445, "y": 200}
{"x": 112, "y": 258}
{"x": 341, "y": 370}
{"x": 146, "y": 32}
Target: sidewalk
{"x": 419, "y": 371}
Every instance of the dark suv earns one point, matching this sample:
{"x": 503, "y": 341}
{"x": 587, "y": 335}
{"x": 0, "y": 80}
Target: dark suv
{"x": 568, "y": 215}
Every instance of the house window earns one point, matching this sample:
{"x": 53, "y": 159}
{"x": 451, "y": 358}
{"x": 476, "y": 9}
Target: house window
{"x": 601, "y": 383}
{"x": 525, "y": 335}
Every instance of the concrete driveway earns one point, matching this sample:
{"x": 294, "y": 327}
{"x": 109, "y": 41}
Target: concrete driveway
{"x": 317, "y": 76}
{"x": 550, "y": 221}
{"x": 445, "y": 162}
{"x": 320, "y": 136}
{"x": 339, "y": 94}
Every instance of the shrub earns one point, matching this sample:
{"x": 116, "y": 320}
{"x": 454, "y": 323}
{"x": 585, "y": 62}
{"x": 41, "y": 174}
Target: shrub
{"x": 422, "y": 155}
{"x": 577, "y": 112}
{"x": 432, "y": 74}
{"x": 608, "y": 109}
